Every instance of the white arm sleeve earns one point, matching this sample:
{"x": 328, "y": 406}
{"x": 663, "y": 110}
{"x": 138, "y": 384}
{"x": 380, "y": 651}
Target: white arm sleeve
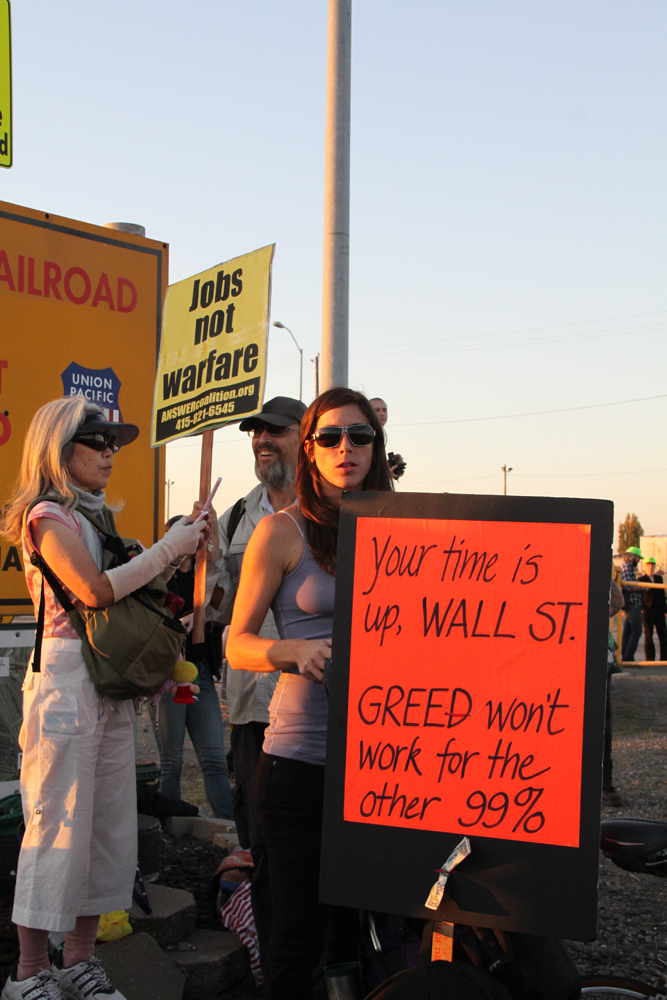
{"x": 181, "y": 540}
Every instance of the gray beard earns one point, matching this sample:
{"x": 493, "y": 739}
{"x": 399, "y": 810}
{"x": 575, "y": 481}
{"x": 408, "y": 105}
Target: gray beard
{"x": 277, "y": 477}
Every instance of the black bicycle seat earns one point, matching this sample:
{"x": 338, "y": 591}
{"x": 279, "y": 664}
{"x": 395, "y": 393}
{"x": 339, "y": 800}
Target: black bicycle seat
{"x": 636, "y": 845}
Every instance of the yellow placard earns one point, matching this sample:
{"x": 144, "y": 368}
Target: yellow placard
{"x": 212, "y": 365}
{"x": 80, "y": 313}
{"x": 5, "y": 84}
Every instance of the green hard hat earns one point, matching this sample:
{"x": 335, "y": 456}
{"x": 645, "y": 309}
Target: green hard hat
{"x": 651, "y": 560}
{"x": 634, "y": 551}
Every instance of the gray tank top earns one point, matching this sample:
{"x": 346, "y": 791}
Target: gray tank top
{"x": 303, "y": 609}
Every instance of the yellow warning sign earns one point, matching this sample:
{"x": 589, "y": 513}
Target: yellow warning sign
{"x": 5, "y": 84}
{"x": 212, "y": 365}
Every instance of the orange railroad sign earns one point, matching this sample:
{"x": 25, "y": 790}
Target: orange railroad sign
{"x": 80, "y": 313}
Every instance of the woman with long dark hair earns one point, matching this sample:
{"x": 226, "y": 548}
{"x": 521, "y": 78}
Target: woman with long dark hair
{"x": 290, "y": 566}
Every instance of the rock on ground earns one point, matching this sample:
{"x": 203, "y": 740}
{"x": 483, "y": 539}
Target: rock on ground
{"x": 140, "y": 969}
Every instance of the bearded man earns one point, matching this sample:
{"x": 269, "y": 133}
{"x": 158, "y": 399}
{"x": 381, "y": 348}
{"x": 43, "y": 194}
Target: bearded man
{"x": 274, "y": 433}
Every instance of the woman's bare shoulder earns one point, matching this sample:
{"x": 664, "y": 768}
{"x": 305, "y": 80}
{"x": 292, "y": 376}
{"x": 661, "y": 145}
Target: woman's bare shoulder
{"x": 277, "y": 528}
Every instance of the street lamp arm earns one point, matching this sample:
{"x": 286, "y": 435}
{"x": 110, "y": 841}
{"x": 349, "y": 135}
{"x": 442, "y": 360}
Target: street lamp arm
{"x": 281, "y": 326}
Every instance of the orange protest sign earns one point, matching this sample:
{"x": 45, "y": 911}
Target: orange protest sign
{"x": 466, "y": 706}
{"x": 483, "y": 734}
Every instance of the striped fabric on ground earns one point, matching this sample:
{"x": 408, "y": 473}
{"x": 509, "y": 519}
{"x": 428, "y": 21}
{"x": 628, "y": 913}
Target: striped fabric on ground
{"x": 237, "y": 917}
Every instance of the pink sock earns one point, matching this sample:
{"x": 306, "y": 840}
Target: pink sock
{"x": 80, "y": 941}
{"x": 34, "y": 952}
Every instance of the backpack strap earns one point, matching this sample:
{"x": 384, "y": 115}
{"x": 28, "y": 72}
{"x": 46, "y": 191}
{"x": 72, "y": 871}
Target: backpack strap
{"x": 238, "y": 510}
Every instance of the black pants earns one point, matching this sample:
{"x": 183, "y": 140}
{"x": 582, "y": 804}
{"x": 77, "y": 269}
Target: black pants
{"x": 289, "y": 796}
{"x": 246, "y": 747}
{"x": 654, "y": 620}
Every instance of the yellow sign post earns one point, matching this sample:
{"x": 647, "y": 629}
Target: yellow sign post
{"x": 5, "y": 84}
{"x": 212, "y": 365}
{"x": 80, "y": 314}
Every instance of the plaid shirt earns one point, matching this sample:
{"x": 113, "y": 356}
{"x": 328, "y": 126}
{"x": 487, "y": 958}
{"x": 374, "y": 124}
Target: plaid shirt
{"x": 632, "y": 595}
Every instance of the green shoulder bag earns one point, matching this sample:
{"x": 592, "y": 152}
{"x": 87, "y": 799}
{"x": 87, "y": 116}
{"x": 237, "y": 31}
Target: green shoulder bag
{"x": 129, "y": 648}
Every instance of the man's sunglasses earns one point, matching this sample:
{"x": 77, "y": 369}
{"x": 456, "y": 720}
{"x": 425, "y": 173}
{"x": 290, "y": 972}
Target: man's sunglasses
{"x": 277, "y": 432}
{"x": 357, "y": 434}
{"x": 98, "y": 442}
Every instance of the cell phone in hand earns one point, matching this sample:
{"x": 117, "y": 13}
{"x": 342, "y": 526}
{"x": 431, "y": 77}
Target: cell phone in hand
{"x": 209, "y": 500}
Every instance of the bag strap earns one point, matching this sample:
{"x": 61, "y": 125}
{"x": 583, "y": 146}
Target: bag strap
{"x": 112, "y": 540}
{"x": 39, "y": 634}
{"x": 59, "y": 592}
{"x": 37, "y": 561}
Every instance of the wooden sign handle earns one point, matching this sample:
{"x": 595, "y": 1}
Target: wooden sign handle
{"x": 200, "y": 559}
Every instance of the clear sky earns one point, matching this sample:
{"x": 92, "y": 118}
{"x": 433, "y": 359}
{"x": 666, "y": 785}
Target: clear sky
{"x": 508, "y": 229}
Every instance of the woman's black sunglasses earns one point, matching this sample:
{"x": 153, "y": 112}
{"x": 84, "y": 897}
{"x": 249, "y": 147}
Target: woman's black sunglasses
{"x": 99, "y": 442}
{"x": 357, "y": 434}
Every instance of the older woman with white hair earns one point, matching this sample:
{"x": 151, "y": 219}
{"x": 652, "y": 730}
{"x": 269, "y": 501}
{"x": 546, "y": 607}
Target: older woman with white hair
{"x": 78, "y": 855}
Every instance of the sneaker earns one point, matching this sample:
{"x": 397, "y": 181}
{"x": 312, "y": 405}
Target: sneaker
{"x": 610, "y": 797}
{"x": 41, "y": 987}
{"x": 85, "y": 981}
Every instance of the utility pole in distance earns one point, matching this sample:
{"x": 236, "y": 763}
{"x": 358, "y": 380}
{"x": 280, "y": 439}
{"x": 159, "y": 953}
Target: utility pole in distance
{"x": 505, "y": 469}
{"x": 316, "y": 362}
{"x": 335, "y": 292}
{"x": 169, "y": 483}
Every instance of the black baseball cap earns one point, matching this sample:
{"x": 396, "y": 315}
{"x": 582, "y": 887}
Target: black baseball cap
{"x": 95, "y": 423}
{"x": 281, "y": 411}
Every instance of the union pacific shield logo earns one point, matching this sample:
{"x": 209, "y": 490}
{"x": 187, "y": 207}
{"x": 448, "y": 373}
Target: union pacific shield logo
{"x": 99, "y": 385}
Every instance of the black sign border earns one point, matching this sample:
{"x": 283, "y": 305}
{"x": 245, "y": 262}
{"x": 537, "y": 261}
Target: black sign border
{"x": 512, "y": 885}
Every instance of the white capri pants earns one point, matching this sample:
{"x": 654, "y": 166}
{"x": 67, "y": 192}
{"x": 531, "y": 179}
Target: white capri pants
{"x": 78, "y": 786}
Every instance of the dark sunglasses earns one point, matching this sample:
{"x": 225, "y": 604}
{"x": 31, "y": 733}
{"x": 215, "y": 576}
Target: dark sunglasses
{"x": 98, "y": 442}
{"x": 276, "y": 432}
{"x": 357, "y": 434}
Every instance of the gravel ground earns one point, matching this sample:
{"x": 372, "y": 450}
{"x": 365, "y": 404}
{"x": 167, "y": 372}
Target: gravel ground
{"x": 632, "y": 930}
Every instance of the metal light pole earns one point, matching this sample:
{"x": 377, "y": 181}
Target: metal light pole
{"x": 505, "y": 471}
{"x": 335, "y": 292}
{"x": 316, "y": 362}
{"x": 281, "y": 326}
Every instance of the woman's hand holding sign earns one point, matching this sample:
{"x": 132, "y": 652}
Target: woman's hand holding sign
{"x": 309, "y": 656}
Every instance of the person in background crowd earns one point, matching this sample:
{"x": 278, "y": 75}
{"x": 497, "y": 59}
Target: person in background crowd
{"x": 396, "y": 463}
{"x": 653, "y": 611}
{"x": 610, "y": 797}
{"x": 274, "y": 434}
{"x": 289, "y": 566}
{"x": 632, "y": 626}
{"x": 203, "y": 718}
{"x": 78, "y": 783}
